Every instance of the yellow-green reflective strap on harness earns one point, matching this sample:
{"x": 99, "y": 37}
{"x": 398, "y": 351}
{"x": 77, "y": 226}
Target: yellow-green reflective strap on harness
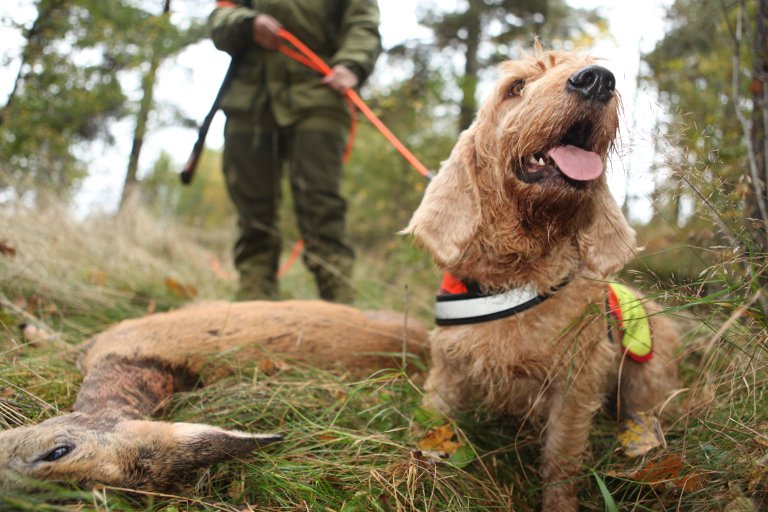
{"x": 632, "y": 320}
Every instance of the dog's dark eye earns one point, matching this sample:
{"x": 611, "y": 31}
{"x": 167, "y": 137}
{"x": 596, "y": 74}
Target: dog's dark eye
{"x": 516, "y": 89}
{"x": 56, "y": 453}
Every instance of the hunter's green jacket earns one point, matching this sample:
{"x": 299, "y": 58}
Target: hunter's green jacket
{"x": 340, "y": 31}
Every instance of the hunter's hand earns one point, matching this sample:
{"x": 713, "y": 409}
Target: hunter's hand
{"x": 341, "y": 79}
{"x": 265, "y": 29}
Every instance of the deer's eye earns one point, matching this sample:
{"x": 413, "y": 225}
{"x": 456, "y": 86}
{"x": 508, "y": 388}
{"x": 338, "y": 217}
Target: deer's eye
{"x": 516, "y": 89}
{"x": 57, "y": 453}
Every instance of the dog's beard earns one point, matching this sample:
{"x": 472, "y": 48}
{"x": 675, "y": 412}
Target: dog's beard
{"x": 522, "y": 224}
{"x": 551, "y": 212}
{"x": 525, "y": 225}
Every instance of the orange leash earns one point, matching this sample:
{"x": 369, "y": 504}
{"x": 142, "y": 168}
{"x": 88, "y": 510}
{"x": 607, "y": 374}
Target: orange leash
{"x": 310, "y": 59}
{"x": 313, "y": 61}
{"x": 320, "y": 66}
{"x": 285, "y": 267}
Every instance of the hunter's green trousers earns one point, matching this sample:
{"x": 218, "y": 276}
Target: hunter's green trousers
{"x": 312, "y": 152}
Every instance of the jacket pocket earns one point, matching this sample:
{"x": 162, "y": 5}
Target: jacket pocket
{"x": 242, "y": 97}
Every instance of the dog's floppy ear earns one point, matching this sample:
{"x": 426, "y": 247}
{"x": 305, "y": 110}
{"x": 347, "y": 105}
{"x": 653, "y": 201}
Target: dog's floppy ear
{"x": 609, "y": 242}
{"x": 449, "y": 213}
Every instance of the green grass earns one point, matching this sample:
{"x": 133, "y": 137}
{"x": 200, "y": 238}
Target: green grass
{"x": 351, "y": 445}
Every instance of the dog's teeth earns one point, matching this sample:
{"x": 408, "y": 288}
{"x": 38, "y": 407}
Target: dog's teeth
{"x": 541, "y": 161}
{"x": 532, "y": 160}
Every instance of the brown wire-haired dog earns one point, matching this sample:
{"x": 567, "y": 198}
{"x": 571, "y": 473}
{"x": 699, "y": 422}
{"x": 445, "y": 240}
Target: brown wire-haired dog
{"x": 521, "y": 210}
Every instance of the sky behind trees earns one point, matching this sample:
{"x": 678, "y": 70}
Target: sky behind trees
{"x": 192, "y": 79}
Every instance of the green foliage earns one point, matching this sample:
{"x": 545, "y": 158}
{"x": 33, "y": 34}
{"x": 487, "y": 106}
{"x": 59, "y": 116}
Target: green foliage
{"x": 161, "y": 189}
{"x": 204, "y": 203}
{"x": 466, "y": 32}
{"x": 690, "y": 67}
{"x": 706, "y": 151}
{"x": 70, "y": 85}
{"x": 382, "y": 187}
{"x": 707, "y": 237}
{"x": 555, "y": 21}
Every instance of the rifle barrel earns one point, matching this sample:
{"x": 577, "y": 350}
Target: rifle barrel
{"x": 194, "y": 158}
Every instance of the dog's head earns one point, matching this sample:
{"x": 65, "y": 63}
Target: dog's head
{"x": 527, "y": 177}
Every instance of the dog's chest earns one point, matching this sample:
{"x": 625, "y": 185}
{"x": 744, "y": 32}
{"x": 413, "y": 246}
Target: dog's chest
{"x": 514, "y": 364}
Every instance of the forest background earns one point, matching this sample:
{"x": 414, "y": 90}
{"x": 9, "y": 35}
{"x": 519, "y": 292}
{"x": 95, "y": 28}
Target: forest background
{"x": 689, "y": 170}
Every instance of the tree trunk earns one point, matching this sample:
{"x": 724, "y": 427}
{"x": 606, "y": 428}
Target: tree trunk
{"x": 760, "y": 104}
{"x": 471, "y": 66}
{"x": 131, "y": 185}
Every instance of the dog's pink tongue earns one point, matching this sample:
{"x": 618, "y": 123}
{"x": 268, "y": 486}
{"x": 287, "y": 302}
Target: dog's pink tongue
{"x": 577, "y": 163}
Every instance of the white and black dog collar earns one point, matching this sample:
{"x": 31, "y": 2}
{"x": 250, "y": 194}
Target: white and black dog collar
{"x": 460, "y": 302}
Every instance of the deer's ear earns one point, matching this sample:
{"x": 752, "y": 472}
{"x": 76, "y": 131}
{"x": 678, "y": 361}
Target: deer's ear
{"x": 167, "y": 454}
{"x": 199, "y": 445}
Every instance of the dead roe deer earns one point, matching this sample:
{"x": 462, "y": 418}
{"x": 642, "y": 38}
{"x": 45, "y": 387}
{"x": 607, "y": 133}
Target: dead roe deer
{"x": 133, "y": 368}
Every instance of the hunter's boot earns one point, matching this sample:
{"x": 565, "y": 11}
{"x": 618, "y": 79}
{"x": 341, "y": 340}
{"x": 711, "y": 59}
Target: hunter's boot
{"x": 333, "y": 275}
{"x": 258, "y": 278}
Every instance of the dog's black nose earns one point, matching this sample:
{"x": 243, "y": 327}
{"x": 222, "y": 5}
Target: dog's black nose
{"x": 594, "y": 83}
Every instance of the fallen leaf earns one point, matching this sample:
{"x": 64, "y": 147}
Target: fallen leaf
{"x": 758, "y": 476}
{"x": 463, "y": 456}
{"x": 439, "y": 440}
{"x": 98, "y": 277}
{"x": 31, "y": 304}
{"x": 668, "y": 471}
{"x": 6, "y": 249}
{"x": 218, "y": 270}
{"x": 639, "y": 434}
{"x": 183, "y": 291}
{"x": 431, "y": 455}
{"x": 270, "y": 366}
{"x": 235, "y": 490}
{"x": 21, "y": 302}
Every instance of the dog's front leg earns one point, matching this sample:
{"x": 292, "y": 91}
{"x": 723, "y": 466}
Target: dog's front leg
{"x": 446, "y": 387}
{"x": 566, "y": 443}
{"x": 443, "y": 391}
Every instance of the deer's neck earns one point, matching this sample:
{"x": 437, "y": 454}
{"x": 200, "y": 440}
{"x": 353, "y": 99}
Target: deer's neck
{"x": 127, "y": 388}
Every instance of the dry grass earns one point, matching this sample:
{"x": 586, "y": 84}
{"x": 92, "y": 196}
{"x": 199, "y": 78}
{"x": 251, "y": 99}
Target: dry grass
{"x": 351, "y": 445}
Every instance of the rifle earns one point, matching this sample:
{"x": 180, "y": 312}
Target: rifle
{"x": 189, "y": 168}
